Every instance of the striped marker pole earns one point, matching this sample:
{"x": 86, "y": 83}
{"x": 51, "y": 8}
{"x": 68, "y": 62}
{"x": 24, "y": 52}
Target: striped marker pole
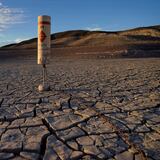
{"x": 44, "y": 46}
{"x": 44, "y": 38}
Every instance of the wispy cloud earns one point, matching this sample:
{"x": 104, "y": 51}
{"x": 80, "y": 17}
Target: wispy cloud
{"x": 18, "y": 40}
{"x": 6, "y": 42}
{"x": 3, "y": 43}
{"x": 94, "y": 28}
{"x": 10, "y": 16}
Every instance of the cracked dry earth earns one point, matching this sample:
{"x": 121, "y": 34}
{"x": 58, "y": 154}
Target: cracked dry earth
{"x": 96, "y": 109}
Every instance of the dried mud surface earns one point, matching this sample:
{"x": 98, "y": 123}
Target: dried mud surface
{"x": 96, "y": 109}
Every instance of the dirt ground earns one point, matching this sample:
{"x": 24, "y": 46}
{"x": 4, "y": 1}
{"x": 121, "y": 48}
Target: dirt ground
{"x": 96, "y": 109}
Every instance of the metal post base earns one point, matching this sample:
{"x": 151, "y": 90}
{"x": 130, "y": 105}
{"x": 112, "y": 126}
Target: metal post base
{"x": 44, "y": 86}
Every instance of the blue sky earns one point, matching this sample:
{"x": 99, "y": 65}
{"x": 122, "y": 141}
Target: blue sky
{"x": 18, "y": 18}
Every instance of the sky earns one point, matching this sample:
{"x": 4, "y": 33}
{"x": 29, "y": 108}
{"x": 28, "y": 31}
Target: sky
{"x": 18, "y": 18}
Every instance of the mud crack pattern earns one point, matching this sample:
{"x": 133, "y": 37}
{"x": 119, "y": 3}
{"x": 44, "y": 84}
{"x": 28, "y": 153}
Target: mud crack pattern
{"x": 96, "y": 109}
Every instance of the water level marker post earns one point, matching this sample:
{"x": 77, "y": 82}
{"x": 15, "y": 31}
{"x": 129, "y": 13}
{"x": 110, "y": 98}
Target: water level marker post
{"x": 44, "y": 47}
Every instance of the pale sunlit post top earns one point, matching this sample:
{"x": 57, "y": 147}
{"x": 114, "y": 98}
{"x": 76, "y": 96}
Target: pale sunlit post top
{"x": 44, "y": 38}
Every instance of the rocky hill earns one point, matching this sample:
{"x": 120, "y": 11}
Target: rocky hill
{"x": 138, "y": 42}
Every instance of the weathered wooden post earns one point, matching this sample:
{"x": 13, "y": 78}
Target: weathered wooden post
{"x": 44, "y": 46}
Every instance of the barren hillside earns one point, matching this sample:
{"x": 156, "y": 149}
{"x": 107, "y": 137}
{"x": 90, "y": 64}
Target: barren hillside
{"x": 139, "y": 42}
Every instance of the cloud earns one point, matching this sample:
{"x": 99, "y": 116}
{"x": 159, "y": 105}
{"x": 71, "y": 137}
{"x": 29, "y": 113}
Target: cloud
{"x": 3, "y": 43}
{"x": 6, "y": 42}
{"x": 18, "y": 40}
{"x": 94, "y": 28}
{"x": 10, "y": 16}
